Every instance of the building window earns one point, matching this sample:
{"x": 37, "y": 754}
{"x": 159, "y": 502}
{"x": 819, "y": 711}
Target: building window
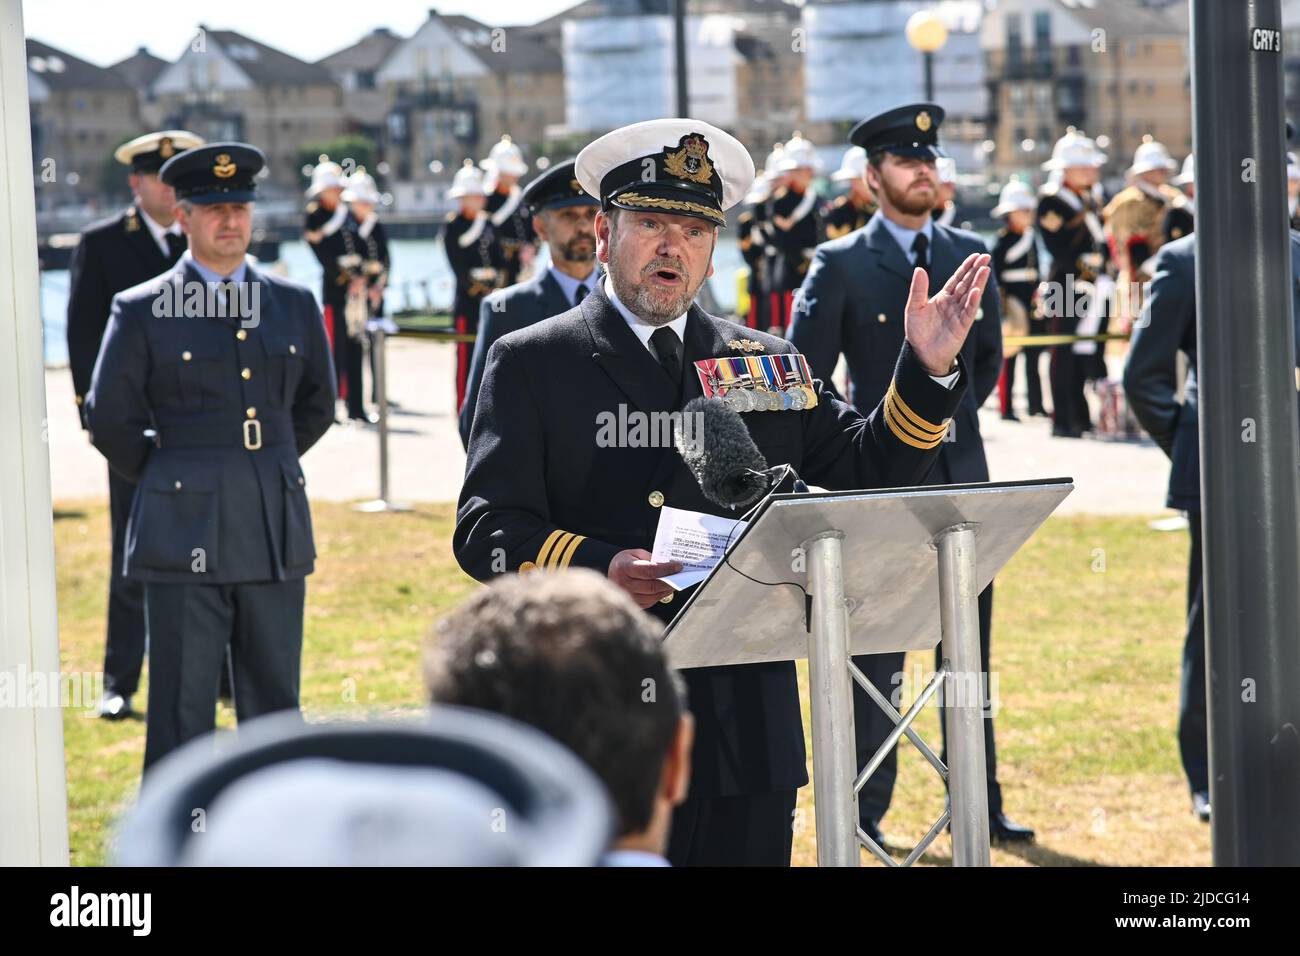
{"x": 1072, "y": 55}
{"x": 365, "y": 79}
{"x": 1014, "y": 43}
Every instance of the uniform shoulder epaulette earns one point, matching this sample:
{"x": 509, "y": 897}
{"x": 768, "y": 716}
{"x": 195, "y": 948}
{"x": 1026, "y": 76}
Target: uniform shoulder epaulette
{"x": 1048, "y": 189}
{"x": 131, "y": 222}
{"x": 451, "y": 217}
{"x": 312, "y": 207}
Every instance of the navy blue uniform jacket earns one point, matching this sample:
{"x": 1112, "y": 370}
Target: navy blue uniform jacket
{"x": 195, "y": 381}
{"x": 852, "y": 303}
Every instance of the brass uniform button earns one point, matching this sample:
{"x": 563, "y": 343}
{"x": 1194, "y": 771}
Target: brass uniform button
{"x": 241, "y": 334}
{"x": 246, "y": 374}
{"x": 186, "y": 355}
{"x": 527, "y": 566}
{"x": 880, "y": 317}
{"x": 656, "y": 499}
{"x": 178, "y": 486}
{"x": 666, "y": 599}
{"x": 251, "y": 412}
{"x": 293, "y": 350}
{"x": 81, "y": 400}
{"x": 302, "y": 480}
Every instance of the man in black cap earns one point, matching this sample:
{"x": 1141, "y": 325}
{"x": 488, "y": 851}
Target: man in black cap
{"x": 551, "y": 483}
{"x": 213, "y": 379}
{"x": 853, "y": 303}
{"x": 135, "y": 245}
{"x": 564, "y": 217}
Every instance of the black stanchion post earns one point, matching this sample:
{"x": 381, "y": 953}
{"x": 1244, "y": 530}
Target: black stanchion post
{"x": 1249, "y": 442}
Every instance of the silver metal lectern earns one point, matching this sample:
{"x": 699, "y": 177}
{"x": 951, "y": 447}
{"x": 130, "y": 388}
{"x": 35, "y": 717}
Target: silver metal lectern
{"x": 885, "y": 571}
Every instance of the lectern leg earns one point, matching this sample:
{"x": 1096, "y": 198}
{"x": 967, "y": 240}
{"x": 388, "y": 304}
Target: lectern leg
{"x": 831, "y": 691}
{"x": 963, "y": 695}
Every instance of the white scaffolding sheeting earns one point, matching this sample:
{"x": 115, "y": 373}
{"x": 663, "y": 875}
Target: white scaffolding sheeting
{"x": 620, "y": 70}
{"x": 859, "y": 61}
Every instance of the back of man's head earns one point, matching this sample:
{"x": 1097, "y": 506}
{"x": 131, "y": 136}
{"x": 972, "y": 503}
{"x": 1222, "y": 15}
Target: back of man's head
{"x": 572, "y": 655}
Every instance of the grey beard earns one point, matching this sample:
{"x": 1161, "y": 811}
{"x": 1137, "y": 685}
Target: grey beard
{"x": 643, "y": 305}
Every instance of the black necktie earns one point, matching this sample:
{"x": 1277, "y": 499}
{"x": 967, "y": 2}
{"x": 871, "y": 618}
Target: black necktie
{"x": 668, "y": 348}
{"x": 921, "y": 245}
{"x": 579, "y": 294}
{"x": 175, "y": 246}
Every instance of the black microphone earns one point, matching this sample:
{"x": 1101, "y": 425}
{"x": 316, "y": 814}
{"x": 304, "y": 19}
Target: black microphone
{"x": 718, "y": 449}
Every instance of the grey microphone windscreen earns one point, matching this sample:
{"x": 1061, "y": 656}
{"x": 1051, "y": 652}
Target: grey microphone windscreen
{"x": 716, "y": 445}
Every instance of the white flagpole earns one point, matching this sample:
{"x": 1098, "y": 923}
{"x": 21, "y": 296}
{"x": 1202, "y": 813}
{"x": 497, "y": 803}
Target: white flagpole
{"x": 33, "y": 794}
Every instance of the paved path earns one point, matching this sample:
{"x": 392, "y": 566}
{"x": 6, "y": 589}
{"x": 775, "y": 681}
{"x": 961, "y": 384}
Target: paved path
{"x": 427, "y": 464}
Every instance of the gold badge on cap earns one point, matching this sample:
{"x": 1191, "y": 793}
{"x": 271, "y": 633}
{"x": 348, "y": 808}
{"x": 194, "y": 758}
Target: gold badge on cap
{"x": 691, "y": 161}
{"x": 165, "y": 148}
{"x": 923, "y": 121}
{"x": 224, "y": 168}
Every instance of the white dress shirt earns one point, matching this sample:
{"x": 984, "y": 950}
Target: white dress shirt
{"x": 159, "y": 233}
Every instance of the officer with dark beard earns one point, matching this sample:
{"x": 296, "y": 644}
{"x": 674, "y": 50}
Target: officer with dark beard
{"x": 564, "y": 217}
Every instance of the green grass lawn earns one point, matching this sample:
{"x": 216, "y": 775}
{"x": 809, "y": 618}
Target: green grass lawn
{"x": 1086, "y": 661}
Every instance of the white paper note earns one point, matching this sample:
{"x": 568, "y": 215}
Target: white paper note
{"x": 697, "y": 540}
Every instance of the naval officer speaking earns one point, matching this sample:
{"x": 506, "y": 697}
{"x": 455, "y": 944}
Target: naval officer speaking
{"x": 546, "y": 488}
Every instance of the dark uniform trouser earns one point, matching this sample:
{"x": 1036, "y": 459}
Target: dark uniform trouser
{"x": 871, "y": 726}
{"x": 755, "y": 829}
{"x": 190, "y": 627}
{"x": 1193, "y": 736}
{"x": 347, "y": 362}
{"x": 1033, "y": 384}
{"x": 124, "y": 644}
{"x": 1068, "y": 371}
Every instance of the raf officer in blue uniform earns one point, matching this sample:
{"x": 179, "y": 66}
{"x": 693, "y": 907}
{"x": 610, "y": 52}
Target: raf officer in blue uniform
{"x": 213, "y": 379}
{"x": 135, "y": 245}
{"x": 1167, "y": 327}
{"x": 564, "y": 216}
{"x": 852, "y": 303}
{"x": 542, "y": 489}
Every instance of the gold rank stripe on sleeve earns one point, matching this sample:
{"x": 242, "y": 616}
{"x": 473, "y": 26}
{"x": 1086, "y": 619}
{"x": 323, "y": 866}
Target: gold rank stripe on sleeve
{"x": 556, "y": 551}
{"x": 909, "y": 427}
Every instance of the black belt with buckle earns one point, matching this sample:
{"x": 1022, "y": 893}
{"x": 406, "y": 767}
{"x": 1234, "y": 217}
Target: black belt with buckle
{"x": 252, "y": 434}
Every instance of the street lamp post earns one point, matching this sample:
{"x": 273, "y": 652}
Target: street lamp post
{"x": 927, "y": 33}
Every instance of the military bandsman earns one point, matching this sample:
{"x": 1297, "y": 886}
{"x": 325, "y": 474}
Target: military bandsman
{"x": 476, "y": 259}
{"x": 330, "y": 230}
{"x": 851, "y": 211}
{"x": 512, "y": 224}
{"x": 1069, "y": 223}
{"x": 363, "y": 199}
{"x": 1015, "y": 266}
{"x": 793, "y": 217}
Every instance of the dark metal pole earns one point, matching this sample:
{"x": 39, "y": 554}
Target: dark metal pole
{"x": 929, "y": 76}
{"x": 1250, "y": 444}
{"x": 679, "y": 46}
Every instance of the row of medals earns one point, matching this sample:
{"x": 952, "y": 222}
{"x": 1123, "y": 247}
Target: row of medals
{"x": 764, "y": 400}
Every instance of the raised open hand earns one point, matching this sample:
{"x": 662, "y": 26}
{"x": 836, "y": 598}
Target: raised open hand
{"x": 937, "y": 327}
